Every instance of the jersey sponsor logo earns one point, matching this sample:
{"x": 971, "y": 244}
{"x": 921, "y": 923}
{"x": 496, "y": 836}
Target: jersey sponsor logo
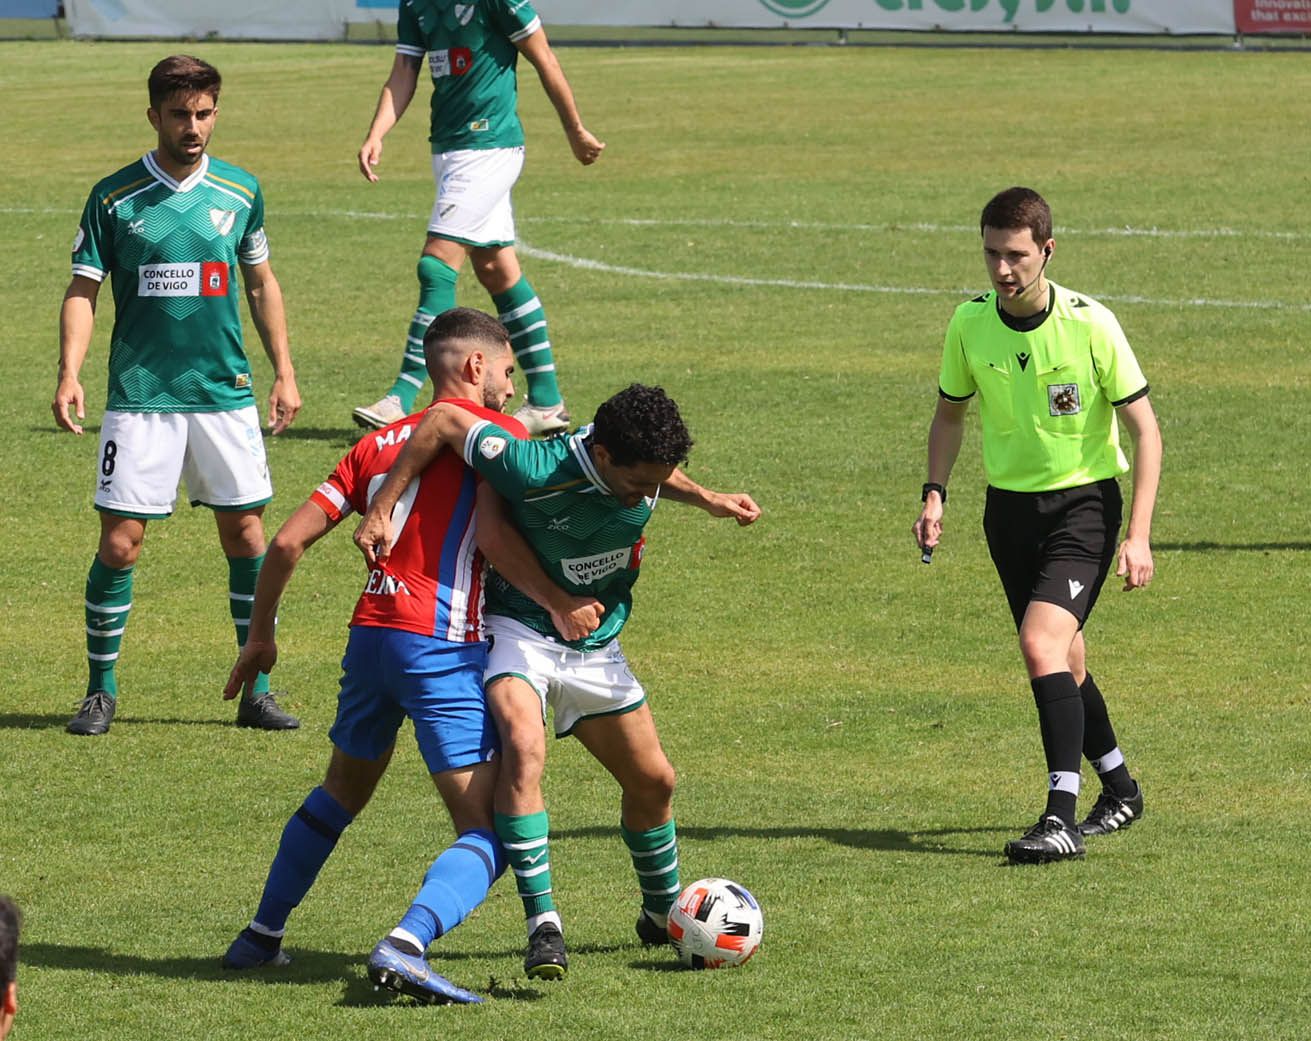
{"x": 393, "y": 437}
{"x": 241, "y": 380}
{"x": 1076, "y": 588}
{"x": 136, "y": 227}
{"x": 213, "y": 278}
{"x": 78, "y": 239}
{"x": 222, "y": 220}
{"x": 1063, "y": 399}
{"x": 453, "y": 62}
{"x": 583, "y": 571}
{"x": 1023, "y": 359}
{"x": 382, "y": 584}
{"x": 491, "y": 447}
{"x": 479, "y": 125}
{"x": 168, "y": 280}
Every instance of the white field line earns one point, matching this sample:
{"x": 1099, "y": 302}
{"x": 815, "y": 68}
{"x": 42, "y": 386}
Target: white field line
{"x": 842, "y": 287}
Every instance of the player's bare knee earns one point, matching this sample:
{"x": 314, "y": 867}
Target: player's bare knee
{"x": 654, "y": 787}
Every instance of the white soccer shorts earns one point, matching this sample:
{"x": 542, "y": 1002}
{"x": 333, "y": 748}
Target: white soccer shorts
{"x": 576, "y": 685}
{"x": 473, "y": 195}
{"x": 143, "y": 456}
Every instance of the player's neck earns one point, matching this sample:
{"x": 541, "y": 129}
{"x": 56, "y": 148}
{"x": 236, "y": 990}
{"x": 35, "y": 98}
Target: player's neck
{"x": 178, "y": 171}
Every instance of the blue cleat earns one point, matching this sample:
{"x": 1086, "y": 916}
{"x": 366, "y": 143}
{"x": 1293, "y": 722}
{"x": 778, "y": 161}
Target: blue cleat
{"x": 411, "y": 975}
{"x": 250, "y": 950}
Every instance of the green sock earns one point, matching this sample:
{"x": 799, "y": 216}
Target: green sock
{"x": 436, "y": 294}
{"x": 242, "y": 575}
{"x": 521, "y": 313}
{"x": 655, "y": 859}
{"x": 528, "y": 853}
{"x": 108, "y": 601}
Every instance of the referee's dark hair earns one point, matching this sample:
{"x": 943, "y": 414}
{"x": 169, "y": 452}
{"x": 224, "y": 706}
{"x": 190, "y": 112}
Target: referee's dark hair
{"x": 642, "y": 424}
{"x": 10, "y": 920}
{"x": 1018, "y": 208}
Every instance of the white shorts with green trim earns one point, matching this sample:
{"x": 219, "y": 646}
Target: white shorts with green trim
{"x": 473, "y": 195}
{"x": 577, "y": 685}
{"x": 143, "y": 456}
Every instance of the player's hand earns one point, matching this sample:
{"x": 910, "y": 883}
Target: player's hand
{"x": 928, "y": 528}
{"x": 69, "y": 392}
{"x": 738, "y": 505}
{"x": 256, "y": 656}
{"x": 284, "y": 403}
{"x": 577, "y": 616}
{"x": 1136, "y": 566}
{"x": 374, "y": 538}
{"x": 586, "y": 148}
{"x": 369, "y": 157}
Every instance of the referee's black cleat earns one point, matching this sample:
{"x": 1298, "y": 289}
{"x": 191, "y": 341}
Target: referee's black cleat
{"x": 1111, "y": 812}
{"x": 1050, "y": 839}
{"x": 263, "y": 713}
{"x": 651, "y": 934}
{"x": 546, "y": 959}
{"x": 95, "y": 715}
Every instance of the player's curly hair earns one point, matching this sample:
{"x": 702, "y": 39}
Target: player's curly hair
{"x": 182, "y": 74}
{"x": 1018, "y": 208}
{"x": 10, "y": 920}
{"x": 641, "y": 424}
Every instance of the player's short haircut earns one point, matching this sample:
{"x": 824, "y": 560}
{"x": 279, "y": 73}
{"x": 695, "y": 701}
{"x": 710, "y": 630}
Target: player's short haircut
{"x": 183, "y": 74}
{"x": 10, "y": 920}
{"x": 641, "y": 424}
{"x": 1018, "y": 208}
{"x": 464, "y": 325}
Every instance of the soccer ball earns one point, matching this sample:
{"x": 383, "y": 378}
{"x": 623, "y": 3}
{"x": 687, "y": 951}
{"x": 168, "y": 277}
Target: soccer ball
{"x": 715, "y": 924}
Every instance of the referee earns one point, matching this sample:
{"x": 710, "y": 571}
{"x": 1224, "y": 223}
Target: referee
{"x": 1052, "y": 371}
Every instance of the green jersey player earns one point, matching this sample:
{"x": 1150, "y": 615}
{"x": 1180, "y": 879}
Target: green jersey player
{"x": 581, "y": 502}
{"x": 477, "y": 154}
{"x": 171, "y": 231}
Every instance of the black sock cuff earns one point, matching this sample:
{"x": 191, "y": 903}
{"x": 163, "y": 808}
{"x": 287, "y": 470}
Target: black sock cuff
{"x": 1055, "y": 686}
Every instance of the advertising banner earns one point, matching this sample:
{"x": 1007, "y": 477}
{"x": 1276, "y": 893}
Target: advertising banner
{"x": 1273, "y": 16}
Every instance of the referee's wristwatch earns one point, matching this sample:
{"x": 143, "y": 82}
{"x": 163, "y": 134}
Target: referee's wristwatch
{"x": 933, "y": 486}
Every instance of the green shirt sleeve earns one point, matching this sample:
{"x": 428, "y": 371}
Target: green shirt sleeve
{"x": 955, "y": 381}
{"x": 409, "y": 34}
{"x": 1118, "y": 373}
{"x": 93, "y": 245}
{"x": 512, "y": 466}
{"x": 513, "y": 19}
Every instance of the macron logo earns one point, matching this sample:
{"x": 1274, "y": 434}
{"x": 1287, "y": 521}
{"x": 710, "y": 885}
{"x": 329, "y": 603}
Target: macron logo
{"x": 1075, "y": 589}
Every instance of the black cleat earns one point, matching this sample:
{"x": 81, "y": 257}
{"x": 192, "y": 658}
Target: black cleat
{"x": 1050, "y": 839}
{"x": 1111, "y": 813}
{"x": 262, "y": 713}
{"x": 546, "y": 959}
{"x": 95, "y": 715}
{"x": 649, "y": 933}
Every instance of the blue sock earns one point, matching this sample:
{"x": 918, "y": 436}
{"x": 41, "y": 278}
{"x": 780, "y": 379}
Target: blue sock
{"x": 307, "y": 841}
{"x": 456, "y": 883}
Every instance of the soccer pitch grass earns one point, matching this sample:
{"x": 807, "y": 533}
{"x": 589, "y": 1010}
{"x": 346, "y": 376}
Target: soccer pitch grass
{"x": 778, "y": 237}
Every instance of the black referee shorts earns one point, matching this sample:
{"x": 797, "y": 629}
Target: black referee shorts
{"x": 1055, "y": 547}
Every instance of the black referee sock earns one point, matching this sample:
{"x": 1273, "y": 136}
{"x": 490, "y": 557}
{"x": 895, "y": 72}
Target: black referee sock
{"x": 1099, "y": 741}
{"x": 1060, "y": 718}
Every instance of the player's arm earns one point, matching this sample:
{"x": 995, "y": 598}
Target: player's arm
{"x": 586, "y": 148}
{"x": 574, "y": 617}
{"x": 77, "y": 319}
{"x": 1135, "y": 555}
{"x": 442, "y": 426}
{"x": 264, "y": 296}
{"x": 945, "y": 435}
{"x": 738, "y": 505}
{"x": 397, "y": 93}
{"x": 260, "y": 651}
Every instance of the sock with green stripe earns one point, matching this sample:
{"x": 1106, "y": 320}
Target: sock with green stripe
{"x": 525, "y": 840}
{"x": 436, "y": 294}
{"x": 655, "y": 859}
{"x": 108, "y": 601}
{"x": 243, "y": 572}
{"x": 521, "y": 313}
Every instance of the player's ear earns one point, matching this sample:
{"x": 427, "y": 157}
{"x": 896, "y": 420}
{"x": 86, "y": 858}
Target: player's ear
{"x": 153, "y": 117}
{"x": 474, "y": 367}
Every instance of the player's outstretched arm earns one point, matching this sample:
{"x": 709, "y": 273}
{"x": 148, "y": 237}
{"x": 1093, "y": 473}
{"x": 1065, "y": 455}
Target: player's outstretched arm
{"x": 264, "y": 297}
{"x": 945, "y": 434}
{"x": 397, "y": 93}
{"x": 585, "y": 146}
{"x": 1135, "y": 565}
{"x": 260, "y": 651}
{"x": 442, "y": 426}
{"x": 738, "y": 505}
{"x": 77, "y": 319}
{"x": 574, "y": 617}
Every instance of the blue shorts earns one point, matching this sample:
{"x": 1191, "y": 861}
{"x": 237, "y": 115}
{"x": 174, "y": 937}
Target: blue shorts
{"x": 388, "y": 674}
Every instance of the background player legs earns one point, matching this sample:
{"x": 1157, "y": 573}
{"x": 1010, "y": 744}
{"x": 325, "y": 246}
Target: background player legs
{"x": 520, "y": 310}
{"x": 628, "y": 746}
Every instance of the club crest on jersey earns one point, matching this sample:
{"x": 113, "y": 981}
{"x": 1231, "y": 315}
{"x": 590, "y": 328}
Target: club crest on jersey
{"x": 1063, "y": 399}
{"x": 222, "y": 220}
{"x": 464, "y": 12}
{"x": 491, "y": 447}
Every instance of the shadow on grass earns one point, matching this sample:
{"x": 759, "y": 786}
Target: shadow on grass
{"x": 887, "y": 840}
{"x": 1231, "y": 547}
{"x": 343, "y": 434}
{"x": 50, "y": 721}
